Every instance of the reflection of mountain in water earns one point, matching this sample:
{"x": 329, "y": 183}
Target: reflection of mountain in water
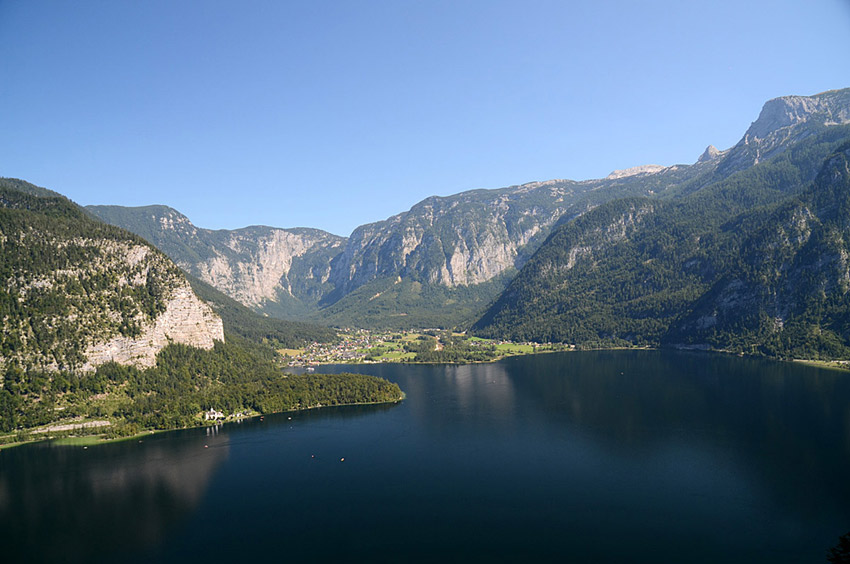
{"x": 790, "y": 424}
{"x": 73, "y": 504}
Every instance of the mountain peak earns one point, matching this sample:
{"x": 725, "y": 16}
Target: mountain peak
{"x": 829, "y": 108}
{"x": 711, "y": 152}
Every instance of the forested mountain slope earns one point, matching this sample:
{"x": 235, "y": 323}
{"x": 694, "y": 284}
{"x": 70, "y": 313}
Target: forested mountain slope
{"x": 100, "y": 330}
{"x": 77, "y": 292}
{"x": 788, "y": 294}
{"x": 729, "y": 268}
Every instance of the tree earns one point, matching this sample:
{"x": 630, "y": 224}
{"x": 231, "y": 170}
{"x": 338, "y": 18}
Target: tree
{"x": 840, "y": 553}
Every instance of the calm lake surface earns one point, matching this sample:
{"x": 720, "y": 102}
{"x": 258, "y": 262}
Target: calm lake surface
{"x": 577, "y": 457}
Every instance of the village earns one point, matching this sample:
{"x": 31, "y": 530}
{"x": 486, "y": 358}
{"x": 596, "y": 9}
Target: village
{"x": 361, "y": 345}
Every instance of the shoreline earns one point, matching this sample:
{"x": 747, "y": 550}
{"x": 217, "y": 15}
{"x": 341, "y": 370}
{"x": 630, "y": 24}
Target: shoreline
{"x": 839, "y": 365}
{"x": 98, "y": 439}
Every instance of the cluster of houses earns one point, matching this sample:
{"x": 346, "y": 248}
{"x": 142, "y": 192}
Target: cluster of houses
{"x": 352, "y": 349}
{"x": 215, "y": 415}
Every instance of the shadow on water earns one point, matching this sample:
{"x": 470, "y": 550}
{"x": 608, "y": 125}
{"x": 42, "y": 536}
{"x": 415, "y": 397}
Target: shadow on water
{"x": 787, "y": 423}
{"x": 619, "y": 456}
{"x": 102, "y": 502}
{"x": 64, "y": 503}
{"x": 716, "y": 457}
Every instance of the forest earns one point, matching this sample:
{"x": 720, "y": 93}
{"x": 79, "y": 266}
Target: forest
{"x": 185, "y": 382}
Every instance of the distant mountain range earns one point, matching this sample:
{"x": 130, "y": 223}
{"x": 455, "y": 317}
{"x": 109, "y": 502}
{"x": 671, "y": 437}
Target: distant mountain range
{"x": 443, "y": 261}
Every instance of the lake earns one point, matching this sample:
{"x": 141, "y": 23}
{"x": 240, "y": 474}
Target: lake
{"x": 617, "y": 456}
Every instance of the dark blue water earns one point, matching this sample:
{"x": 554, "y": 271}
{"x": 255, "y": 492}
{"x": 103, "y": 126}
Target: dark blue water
{"x": 576, "y": 457}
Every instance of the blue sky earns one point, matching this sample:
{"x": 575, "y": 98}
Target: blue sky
{"x": 331, "y": 114}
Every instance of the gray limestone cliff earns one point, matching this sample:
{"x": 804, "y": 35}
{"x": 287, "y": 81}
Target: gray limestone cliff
{"x": 186, "y": 320}
{"x": 77, "y": 293}
{"x": 284, "y": 269}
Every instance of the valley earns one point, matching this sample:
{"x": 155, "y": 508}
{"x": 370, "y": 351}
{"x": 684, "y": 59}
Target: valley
{"x": 428, "y": 346}
{"x": 137, "y": 317}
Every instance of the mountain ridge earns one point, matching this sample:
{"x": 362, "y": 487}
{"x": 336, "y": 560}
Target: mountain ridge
{"x": 772, "y": 279}
{"x": 469, "y": 243}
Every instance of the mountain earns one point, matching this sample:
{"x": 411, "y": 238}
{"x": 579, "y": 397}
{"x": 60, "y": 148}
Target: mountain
{"x": 753, "y": 263}
{"x": 279, "y": 271}
{"x": 101, "y": 330}
{"x": 789, "y": 294}
{"x": 445, "y": 259}
{"x": 77, "y": 293}
{"x": 437, "y": 264}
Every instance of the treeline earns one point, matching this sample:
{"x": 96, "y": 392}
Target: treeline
{"x": 185, "y": 382}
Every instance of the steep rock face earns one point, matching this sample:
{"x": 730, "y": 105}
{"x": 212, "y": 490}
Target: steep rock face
{"x": 264, "y": 261}
{"x": 785, "y": 120}
{"x": 255, "y": 265}
{"x": 77, "y": 292}
{"x": 460, "y": 240}
{"x": 186, "y": 320}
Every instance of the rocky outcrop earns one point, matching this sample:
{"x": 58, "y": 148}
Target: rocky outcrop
{"x": 461, "y": 240}
{"x": 77, "y": 293}
{"x": 784, "y": 121}
{"x": 711, "y": 152}
{"x": 186, "y": 320}
{"x": 260, "y": 264}
{"x": 642, "y": 169}
{"x": 828, "y": 108}
{"x": 255, "y": 265}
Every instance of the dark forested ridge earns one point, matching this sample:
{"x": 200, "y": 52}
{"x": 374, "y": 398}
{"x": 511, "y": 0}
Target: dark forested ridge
{"x": 734, "y": 266}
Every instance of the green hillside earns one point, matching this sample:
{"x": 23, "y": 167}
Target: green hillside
{"x": 733, "y": 266}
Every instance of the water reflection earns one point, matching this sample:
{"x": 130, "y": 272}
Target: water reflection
{"x": 75, "y": 504}
{"x": 785, "y": 425}
{"x": 718, "y": 441}
{"x": 678, "y": 457}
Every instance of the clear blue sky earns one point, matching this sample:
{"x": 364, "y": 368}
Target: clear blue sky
{"x": 331, "y": 114}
